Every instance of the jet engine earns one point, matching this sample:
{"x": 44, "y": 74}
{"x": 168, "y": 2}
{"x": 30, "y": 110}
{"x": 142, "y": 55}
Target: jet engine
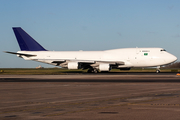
{"x": 104, "y": 67}
{"x": 74, "y": 65}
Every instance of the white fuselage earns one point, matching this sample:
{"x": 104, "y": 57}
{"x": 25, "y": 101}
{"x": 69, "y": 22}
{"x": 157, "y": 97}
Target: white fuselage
{"x": 131, "y": 57}
{"x": 124, "y": 59}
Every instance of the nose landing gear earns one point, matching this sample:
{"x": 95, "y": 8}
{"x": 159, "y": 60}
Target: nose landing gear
{"x": 158, "y": 69}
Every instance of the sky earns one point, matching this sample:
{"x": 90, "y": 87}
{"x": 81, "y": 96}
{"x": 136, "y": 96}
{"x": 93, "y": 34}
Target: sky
{"x": 89, "y": 25}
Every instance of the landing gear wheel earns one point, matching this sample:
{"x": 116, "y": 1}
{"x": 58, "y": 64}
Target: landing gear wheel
{"x": 92, "y": 71}
{"x": 158, "y": 71}
{"x": 95, "y": 71}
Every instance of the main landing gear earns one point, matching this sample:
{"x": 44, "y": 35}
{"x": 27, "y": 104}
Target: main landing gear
{"x": 92, "y": 70}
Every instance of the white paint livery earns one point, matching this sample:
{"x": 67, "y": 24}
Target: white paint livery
{"x": 124, "y": 58}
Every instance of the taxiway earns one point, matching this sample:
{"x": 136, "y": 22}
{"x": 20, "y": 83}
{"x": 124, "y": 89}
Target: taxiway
{"x": 88, "y": 96}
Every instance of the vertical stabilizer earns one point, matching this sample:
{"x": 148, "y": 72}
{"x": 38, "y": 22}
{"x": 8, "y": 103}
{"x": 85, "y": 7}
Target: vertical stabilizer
{"x": 26, "y": 42}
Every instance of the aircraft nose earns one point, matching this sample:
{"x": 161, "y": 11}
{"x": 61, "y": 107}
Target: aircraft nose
{"x": 172, "y": 58}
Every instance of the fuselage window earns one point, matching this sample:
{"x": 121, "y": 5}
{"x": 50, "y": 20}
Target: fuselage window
{"x": 145, "y": 51}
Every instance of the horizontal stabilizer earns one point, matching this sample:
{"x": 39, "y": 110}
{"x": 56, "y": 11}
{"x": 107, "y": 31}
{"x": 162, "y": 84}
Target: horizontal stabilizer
{"x": 21, "y": 54}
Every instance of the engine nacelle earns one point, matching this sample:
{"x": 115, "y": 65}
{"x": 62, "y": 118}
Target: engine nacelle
{"x": 74, "y": 65}
{"x": 104, "y": 67}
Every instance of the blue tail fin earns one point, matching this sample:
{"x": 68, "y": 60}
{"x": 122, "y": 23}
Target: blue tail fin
{"x": 26, "y": 42}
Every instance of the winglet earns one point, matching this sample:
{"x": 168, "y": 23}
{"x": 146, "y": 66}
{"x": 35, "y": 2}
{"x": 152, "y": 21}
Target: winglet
{"x": 26, "y": 42}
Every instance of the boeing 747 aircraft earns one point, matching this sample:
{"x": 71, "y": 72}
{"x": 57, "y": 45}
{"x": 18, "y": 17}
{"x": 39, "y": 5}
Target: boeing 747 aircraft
{"x": 94, "y": 61}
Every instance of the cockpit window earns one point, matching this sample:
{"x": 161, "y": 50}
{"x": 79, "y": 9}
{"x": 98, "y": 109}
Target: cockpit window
{"x": 163, "y": 50}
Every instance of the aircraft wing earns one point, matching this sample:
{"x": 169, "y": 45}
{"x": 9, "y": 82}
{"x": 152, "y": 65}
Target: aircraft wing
{"x": 85, "y": 64}
{"x": 90, "y": 62}
{"x": 58, "y": 62}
